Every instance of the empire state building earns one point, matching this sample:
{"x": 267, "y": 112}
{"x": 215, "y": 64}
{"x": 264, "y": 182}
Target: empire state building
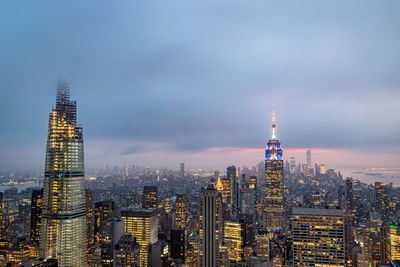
{"x": 63, "y": 227}
{"x": 274, "y": 210}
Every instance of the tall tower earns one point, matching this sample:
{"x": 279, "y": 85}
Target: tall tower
{"x": 210, "y": 227}
{"x": 234, "y": 201}
{"x": 382, "y": 200}
{"x": 36, "y": 214}
{"x": 181, "y": 210}
{"x": 63, "y": 227}
{"x": 274, "y": 202}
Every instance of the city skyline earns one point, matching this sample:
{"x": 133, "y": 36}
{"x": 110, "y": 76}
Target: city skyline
{"x": 154, "y": 92}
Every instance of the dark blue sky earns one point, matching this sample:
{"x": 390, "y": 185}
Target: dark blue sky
{"x": 158, "y": 82}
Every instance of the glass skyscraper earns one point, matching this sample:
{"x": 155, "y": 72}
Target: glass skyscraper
{"x": 63, "y": 227}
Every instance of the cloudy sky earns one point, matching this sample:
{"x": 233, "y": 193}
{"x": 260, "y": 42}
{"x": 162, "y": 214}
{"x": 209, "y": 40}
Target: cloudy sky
{"x": 159, "y": 82}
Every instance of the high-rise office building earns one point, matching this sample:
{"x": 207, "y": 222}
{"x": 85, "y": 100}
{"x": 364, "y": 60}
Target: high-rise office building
{"x": 274, "y": 210}
{"x": 181, "y": 210}
{"x": 150, "y": 197}
{"x": 63, "y": 226}
{"x": 36, "y": 214}
{"x": 127, "y": 252}
{"x": 182, "y": 170}
{"x": 248, "y": 199}
{"x": 210, "y": 227}
{"x": 318, "y": 237}
{"x": 143, "y": 225}
{"x": 234, "y": 191}
{"x": 226, "y": 190}
{"x": 103, "y": 210}
{"x": 178, "y": 245}
{"x": 234, "y": 240}
{"x": 89, "y": 217}
{"x": 394, "y": 242}
{"x": 382, "y": 200}
{"x": 262, "y": 245}
{"x": 110, "y": 233}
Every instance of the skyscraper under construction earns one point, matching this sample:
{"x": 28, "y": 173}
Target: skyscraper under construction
{"x": 274, "y": 202}
{"x": 63, "y": 227}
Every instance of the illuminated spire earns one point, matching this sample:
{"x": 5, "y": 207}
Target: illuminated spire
{"x": 273, "y": 126}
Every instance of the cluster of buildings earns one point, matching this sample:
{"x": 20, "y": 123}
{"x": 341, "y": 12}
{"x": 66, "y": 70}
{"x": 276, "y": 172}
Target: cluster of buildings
{"x": 276, "y": 214}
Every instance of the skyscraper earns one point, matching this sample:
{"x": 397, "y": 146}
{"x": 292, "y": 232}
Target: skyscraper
{"x": 210, "y": 227}
{"x": 36, "y": 214}
{"x": 149, "y": 200}
{"x": 274, "y": 203}
{"x": 89, "y": 218}
{"x": 308, "y": 157}
{"x": 234, "y": 239}
{"x": 110, "y": 233}
{"x": 182, "y": 170}
{"x": 63, "y": 229}
{"x": 394, "y": 243}
{"x": 234, "y": 201}
{"x": 181, "y": 210}
{"x": 178, "y": 245}
{"x": 143, "y": 225}
{"x": 382, "y": 200}
{"x": 103, "y": 210}
{"x": 318, "y": 237}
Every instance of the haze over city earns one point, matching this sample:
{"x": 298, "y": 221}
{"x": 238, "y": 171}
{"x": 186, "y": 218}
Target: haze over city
{"x": 162, "y": 83}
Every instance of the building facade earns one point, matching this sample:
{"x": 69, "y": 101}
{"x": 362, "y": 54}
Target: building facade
{"x": 143, "y": 225}
{"x": 210, "y": 227}
{"x": 63, "y": 226}
{"x": 318, "y": 237}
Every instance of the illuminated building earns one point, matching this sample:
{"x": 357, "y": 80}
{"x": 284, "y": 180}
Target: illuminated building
{"x": 89, "y": 217}
{"x": 103, "y": 210}
{"x": 182, "y": 170}
{"x": 178, "y": 245}
{"x": 234, "y": 192}
{"x": 226, "y": 190}
{"x": 234, "y": 240}
{"x": 149, "y": 200}
{"x": 193, "y": 244}
{"x": 318, "y": 237}
{"x": 394, "y": 243}
{"x": 18, "y": 253}
{"x": 168, "y": 204}
{"x": 274, "y": 210}
{"x": 111, "y": 232}
{"x": 181, "y": 210}
{"x": 210, "y": 227}
{"x": 143, "y": 225}
{"x": 127, "y": 252}
{"x": 262, "y": 245}
{"x": 382, "y": 200}
{"x": 63, "y": 225}
{"x": 219, "y": 185}
{"x": 349, "y": 217}
{"x": 36, "y": 214}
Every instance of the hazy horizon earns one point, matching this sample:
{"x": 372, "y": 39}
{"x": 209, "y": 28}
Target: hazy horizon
{"x": 196, "y": 82}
